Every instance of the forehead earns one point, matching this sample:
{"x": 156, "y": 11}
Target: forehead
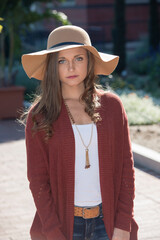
{"x": 72, "y": 52}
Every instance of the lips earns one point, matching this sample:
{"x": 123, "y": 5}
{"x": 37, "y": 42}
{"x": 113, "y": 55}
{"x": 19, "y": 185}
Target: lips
{"x": 73, "y": 76}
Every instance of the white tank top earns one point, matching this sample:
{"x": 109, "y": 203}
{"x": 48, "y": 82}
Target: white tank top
{"x": 87, "y": 182}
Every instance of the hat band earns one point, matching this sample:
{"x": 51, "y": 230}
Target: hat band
{"x": 66, "y": 43}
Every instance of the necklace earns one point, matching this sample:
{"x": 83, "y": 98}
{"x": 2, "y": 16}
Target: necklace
{"x": 87, "y": 164}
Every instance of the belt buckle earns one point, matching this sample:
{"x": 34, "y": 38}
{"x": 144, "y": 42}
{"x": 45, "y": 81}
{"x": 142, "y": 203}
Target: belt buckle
{"x": 90, "y": 208}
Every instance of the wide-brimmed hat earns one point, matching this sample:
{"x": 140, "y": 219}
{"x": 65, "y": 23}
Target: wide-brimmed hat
{"x": 62, "y": 38}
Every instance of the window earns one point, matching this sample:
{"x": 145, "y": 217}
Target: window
{"x": 68, "y": 3}
{"x": 138, "y": 1}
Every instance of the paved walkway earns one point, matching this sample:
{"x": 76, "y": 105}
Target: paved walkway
{"x": 16, "y": 204}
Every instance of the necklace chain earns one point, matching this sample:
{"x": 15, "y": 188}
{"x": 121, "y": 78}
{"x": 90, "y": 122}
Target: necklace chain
{"x": 86, "y": 146}
{"x": 82, "y": 138}
{"x": 69, "y": 113}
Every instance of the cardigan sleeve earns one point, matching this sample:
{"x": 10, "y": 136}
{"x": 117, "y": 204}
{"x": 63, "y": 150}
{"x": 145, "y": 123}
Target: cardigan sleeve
{"x": 38, "y": 176}
{"x": 124, "y": 213}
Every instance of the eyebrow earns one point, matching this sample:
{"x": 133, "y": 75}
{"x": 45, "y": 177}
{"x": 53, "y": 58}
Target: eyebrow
{"x": 74, "y": 56}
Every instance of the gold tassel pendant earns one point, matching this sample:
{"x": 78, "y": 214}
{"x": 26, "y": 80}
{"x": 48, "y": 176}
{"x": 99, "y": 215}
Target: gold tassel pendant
{"x": 87, "y": 159}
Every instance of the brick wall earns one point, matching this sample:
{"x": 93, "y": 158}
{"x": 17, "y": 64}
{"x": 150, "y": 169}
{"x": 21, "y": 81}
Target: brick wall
{"x": 97, "y": 17}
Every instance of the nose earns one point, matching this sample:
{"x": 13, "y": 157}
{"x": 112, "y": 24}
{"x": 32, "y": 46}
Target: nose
{"x": 71, "y": 65}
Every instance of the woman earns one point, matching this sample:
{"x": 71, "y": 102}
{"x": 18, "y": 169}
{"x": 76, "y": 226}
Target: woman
{"x": 79, "y": 158}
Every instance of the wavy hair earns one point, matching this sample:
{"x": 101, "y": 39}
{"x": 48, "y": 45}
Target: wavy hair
{"x": 48, "y": 102}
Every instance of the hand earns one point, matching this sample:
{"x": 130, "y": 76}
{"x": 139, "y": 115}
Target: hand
{"x": 119, "y": 234}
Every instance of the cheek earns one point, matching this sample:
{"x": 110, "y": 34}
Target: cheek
{"x": 85, "y": 70}
{"x": 60, "y": 72}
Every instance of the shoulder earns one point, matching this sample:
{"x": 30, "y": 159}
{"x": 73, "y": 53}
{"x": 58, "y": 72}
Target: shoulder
{"x": 32, "y": 118}
{"x": 109, "y": 98}
{"x": 112, "y": 107}
{"x": 29, "y": 119}
{"x": 32, "y": 131}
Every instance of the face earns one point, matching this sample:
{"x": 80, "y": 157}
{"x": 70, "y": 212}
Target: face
{"x": 72, "y": 66}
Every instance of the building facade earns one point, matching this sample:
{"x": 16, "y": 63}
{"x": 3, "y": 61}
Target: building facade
{"x": 97, "y": 17}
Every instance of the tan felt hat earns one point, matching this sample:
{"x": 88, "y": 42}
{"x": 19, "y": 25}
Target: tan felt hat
{"x": 66, "y": 37}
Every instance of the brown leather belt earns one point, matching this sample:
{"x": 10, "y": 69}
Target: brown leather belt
{"x": 87, "y": 212}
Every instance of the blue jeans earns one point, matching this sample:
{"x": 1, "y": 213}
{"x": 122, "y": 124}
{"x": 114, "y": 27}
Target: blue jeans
{"x": 90, "y": 229}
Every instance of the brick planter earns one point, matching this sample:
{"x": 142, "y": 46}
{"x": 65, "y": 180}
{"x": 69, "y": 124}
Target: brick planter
{"x": 11, "y": 101}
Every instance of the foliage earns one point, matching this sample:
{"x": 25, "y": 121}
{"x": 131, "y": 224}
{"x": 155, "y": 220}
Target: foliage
{"x": 19, "y": 15}
{"x": 1, "y": 27}
{"x": 155, "y": 73}
{"x": 144, "y": 69}
{"x": 142, "y": 109}
{"x": 115, "y": 82}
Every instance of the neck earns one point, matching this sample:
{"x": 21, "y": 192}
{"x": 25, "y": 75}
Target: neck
{"x": 72, "y": 93}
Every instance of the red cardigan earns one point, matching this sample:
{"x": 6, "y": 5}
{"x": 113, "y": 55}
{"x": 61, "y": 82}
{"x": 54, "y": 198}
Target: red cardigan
{"x": 51, "y": 173}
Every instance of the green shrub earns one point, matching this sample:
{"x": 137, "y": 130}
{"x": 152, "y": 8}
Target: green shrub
{"x": 140, "y": 66}
{"x": 155, "y": 70}
{"x": 143, "y": 69}
{"x": 141, "y": 110}
{"x": 115, "y": 82}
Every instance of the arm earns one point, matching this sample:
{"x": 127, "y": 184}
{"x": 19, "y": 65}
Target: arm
{"x": 38, "y": 176}
{"x": 124, "y": 212}
{"x": 119, "y": 234}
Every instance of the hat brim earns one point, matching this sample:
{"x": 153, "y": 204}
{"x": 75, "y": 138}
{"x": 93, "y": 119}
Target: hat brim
{"x": 34, "y": 64}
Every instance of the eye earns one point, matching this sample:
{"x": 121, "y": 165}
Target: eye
{"x": 79, "y": 59}
{"x": 62, "y": 61}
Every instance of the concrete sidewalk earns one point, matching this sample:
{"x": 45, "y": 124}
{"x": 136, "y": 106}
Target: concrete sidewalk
{"x": 16, "y": 205}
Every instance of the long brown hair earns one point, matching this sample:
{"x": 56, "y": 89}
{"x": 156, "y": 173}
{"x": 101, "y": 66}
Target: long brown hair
{"x": 48, "y": 103}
